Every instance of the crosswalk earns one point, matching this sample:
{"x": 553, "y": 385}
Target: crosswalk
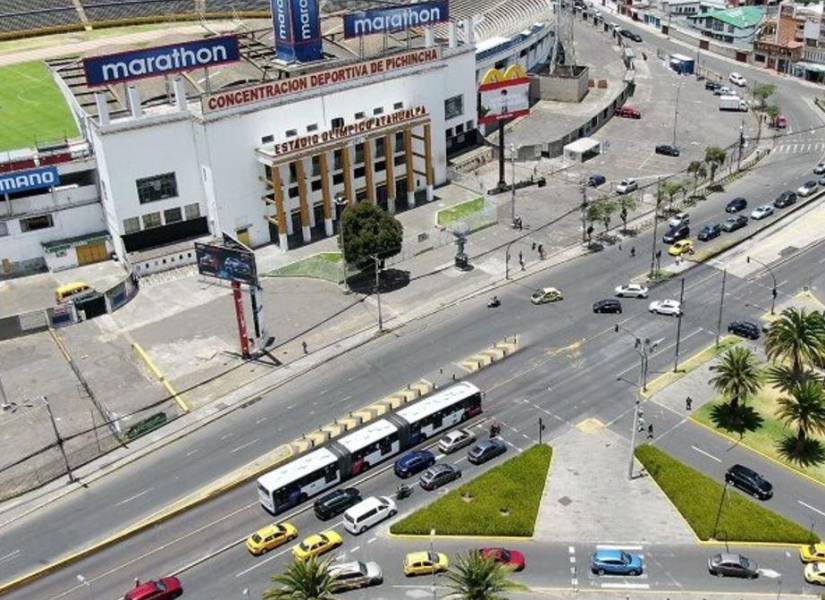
{"x": 800, "y": 148}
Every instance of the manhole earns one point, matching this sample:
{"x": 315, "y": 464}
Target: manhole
{"x": 565, "y": 501}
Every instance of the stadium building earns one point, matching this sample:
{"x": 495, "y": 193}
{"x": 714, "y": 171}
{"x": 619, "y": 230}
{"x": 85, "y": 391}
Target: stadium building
{"x": 266, "y": 149}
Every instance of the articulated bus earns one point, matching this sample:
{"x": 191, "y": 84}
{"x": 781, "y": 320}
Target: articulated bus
{"x": 354, "y": 453}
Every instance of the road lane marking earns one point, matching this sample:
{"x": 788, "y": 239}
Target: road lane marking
{"x": 263, "y": 562}
{"x": 353, "y": 550}
{"x": 226, "y": 435}
{"x": 710, "y": 456}
{"x": 371, "y": 540}
{"x": 261, "y": 420}
{"x": 191, "y": 452}
{"x": 242, "y": 446}
{"x": 9, "y": 555}
{"x": 626, "y": 586}
{"x": 614, "y": 547}
{"x": 136, "y": 496}
{"x": 808, "y": 506}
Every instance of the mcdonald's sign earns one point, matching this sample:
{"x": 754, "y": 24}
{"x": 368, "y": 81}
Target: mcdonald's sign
{"x": 503, "y": 94}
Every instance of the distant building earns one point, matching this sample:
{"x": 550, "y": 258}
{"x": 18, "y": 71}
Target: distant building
{"x": 779, "y": 45}
{"x": 737, "y": 26}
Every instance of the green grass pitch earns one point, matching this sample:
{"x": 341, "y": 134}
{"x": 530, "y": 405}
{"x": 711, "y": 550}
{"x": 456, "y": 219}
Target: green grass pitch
{"x": 32, "y": 109}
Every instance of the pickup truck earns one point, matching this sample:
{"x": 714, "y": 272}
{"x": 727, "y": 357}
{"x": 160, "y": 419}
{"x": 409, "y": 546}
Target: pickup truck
{"x": 732, "y": 103}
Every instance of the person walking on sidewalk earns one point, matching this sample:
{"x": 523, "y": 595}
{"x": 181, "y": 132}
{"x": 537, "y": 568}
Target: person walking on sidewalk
{"x": 688, "y": 403}
{"x": 304, "y": 346}
{"x": 650, "y": 431}
{"x": 633, "y": 252}
{"x": 534, "y": 247}
{"x": 641, "y": 423}
{"x": 521, "y": 259}
{"x": 541, "y": 252}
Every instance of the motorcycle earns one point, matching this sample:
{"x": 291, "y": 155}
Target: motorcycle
{"x": 403, "y": 491}
{"x": 493, "y": 302}
{"x": 495, "y": 430}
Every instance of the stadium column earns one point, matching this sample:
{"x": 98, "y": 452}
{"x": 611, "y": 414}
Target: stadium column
{"x": 428, "y": 161}
{"x": 309, "y": 172}
{"x": 346, "y": 170}
{"x": 369, "y": 169}
{"x": 285, "y": 181}
{"x": 389, "y": 170}
{"x": 278, "y": 194}
{"x": 326, "y": 194}
{"x": 302, "y": 195}
{"x": 408, "y": 159}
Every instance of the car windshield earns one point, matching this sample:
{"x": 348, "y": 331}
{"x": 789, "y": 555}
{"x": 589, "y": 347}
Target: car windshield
{"x": 746, "y": 564}
{"x": 538, "y": 292}
{"x": 432, "y": 557}
{"x": 256, "y": 538}
{"x": 812, "y": 548}
{"x": 161, "y": 586}
{"x": 626, "y": 559}
{"x": 504, "y": 554}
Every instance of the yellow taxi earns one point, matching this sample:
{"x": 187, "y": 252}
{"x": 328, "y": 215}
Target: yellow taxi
{"x": 270, "y": 537}
{"x": 812, "y": 552}
{"x": 425, "y": 563}
{"x": 815, "y": 573}
{"x": 317, "y": 544}
{"x": 681, "y": 247}
{"x": 545, "y": 295}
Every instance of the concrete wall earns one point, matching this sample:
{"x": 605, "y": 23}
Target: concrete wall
{"x": 564, "y": 88}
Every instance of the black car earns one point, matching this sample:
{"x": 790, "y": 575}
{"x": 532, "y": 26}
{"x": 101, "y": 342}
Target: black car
{"x": 785, "y": 199}
{"x": 630, "y": 35}
{"x": 732, "y": 565}
{"x": 710, "y": 231}
{"x": 438, "y": 475}
{"x": 734, "y": 223}
{"x": 596, "y": 180}
{"x": 749, "y": 481}
{"x": 609, "y": 305}
{"x": 745, "y": 329}
{"x": 336, "y": 502}
{"x": 486, "y": 450}
{"x": 667, "y": 150}
{"x": 674, "y": 234}
{"x": 712, "y": 85}
{"x": 736, "y": 205}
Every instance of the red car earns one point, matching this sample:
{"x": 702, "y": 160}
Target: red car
{"x": 629, "y": 112}
{"x": 165, "y": 588}
{"x": 509, "y": 558}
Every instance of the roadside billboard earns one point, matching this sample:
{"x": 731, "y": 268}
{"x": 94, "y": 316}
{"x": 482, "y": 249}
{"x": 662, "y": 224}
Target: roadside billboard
{"x": 29, "y": 180}
{"x": 297, "y": 26}
{"x": 396, "y": 18}
{"x": 226, "y": 263}
{"x": 503, "y": 95}
{"x": 160, "y": 60}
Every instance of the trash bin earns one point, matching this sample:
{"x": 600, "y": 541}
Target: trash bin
{"x": 461, "y": 261}
{"x": 541, "y": 182}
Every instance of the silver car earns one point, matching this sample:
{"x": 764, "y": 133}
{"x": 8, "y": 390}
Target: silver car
{"x": 732, "y": 565}
{"x": 355, "y": 575}
{"x": 456, "y": 440}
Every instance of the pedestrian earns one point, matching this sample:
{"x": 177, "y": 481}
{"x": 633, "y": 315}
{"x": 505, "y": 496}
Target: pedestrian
{"x": 650, "y": 431}
{"x": 521, "y": 259}
{"x": 304, "y": 346}
{"x": 688, "y": 403}
{"x": 541, "y": 251}
{"x": 633, "y": 252}
{"x": 534, "y": 246}
{"x": 520, "y": 224}
{"x": 641, "y": 423}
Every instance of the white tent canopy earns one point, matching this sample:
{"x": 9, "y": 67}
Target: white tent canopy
{"x": 582, "y": 149}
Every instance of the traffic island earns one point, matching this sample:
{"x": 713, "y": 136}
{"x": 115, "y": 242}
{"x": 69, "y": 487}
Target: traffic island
{"x": 714, "y": 511}
{"x": 503, "y": 502}
{"x": 689, "y": 365}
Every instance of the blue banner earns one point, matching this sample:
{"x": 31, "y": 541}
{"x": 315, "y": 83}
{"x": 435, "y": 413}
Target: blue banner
{"x": 26, "y": 181}
{"x": 388, "y": 20}
{"x": 160, "y": 60}
{"x": 297, "y": 26}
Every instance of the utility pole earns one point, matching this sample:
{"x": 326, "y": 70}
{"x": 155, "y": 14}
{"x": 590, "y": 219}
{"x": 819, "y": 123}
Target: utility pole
{"x": 341, "y": 202}
{"x": 679, "y": 325}
{"x": 59, "y": 440}
{"x": 721, "y": 306}
{"x": 583, "y": 189}
{"x": 774, "y": 291}
{"x": 655, "y": 227}
{"x": 633, "y": 438}
{"x": 513, "y": 184}
{"x": 676, "y": 111}
{"x": 378, "y": 291}
{"x": 502, "y": 184}
{"x": 741, "y": 145}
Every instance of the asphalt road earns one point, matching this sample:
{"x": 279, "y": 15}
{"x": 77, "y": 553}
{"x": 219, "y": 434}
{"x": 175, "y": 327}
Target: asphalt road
{"x": 567, "y": 386}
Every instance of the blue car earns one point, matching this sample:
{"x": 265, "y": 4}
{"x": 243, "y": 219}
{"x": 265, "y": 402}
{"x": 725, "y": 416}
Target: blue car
{"x": 414, "y": 462}
{"x": 616, "y": 562}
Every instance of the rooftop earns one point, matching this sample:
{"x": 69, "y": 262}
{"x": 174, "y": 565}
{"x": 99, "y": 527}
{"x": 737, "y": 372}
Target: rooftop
{"x": 741, "y": 18}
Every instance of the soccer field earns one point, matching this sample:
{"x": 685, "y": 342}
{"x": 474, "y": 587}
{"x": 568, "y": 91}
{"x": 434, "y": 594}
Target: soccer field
{"x": 32, "y": 109}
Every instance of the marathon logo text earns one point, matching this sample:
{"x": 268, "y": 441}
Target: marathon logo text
{"x": 25, "y": 181}
{"x": 297, "y": 27}
{"x": 401, "y": 18}
{"x": 161, "y": 60}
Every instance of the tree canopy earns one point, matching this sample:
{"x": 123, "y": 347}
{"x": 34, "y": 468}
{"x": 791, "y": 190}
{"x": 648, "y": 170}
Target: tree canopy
{"x": 369, "y": 231}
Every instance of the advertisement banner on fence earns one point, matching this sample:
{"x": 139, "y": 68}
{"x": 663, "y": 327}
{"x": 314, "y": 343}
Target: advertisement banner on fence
{"x": 297, "y": 25}
{"x": 503, "y": 95}
{"x": 160, "y": 60}
{"x": 396, "y": 18}
{"x": 29, "y": 180}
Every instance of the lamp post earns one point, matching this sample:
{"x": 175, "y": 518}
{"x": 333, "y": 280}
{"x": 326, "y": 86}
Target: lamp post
{"x": 59, "y": 440}
{"x": 676, "y": 109}
{"x": 774, "y": 292}
{"x": 341, "y": 202}
{"x": 513, "y": 184}
{"x": 86, "y": 582}
{"x": 378, "y": 291}
{"x": 432, "y": 556}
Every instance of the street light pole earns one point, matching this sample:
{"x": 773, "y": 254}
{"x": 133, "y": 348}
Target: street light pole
{"x": 86, "y": 582}
{"x": 378, "y": 290}
{"x": 513, "y": 184}
{"x": 679, "y": 325}
{"x": 676, "y": 111}
{"x": 432, "y": 556}
{"x": 341, "y": 202}
{"x": 655, "y": 228}
{"x": 774, "y": 291}
{"x": 59, "y": 440}
{"x": 721, "y": 307}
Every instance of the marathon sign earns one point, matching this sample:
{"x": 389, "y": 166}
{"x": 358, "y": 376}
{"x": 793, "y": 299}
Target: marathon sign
{"x": 160, "y": 60}
{"x": 400, "y": 18}
{"x": 27, "y": 181}
{"x": 297, "y": 27}
{"x": 313, "y": 81}
{"x": 362, "y": 127}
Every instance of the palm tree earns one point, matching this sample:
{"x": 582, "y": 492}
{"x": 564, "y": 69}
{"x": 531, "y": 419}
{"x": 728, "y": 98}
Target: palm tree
{"x": 804, "y": 409}
{"x": 714, "y": 157}
{"x": 670, "y": 188}
{"x": 694, "y": 168}
{"x": 627, "y": 204}
{"x": 737, "y": 376}
{"x": 303, "y": 580}
{"x": 476, "y": 578}
{"x": 799, "y": 338}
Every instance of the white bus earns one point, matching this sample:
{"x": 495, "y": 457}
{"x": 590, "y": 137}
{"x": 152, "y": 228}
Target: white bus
{"x": 299, "y": 479}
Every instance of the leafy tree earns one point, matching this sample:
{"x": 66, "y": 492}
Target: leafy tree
{"x": 761, "y": 92}
{"x": 737, "y": 376}
{"x": 799, "y": 338}
{"x": 714, "y": 157}
{"x": 670, "y": 189}
{"x": 772, "y": 111}
{"x": 697, "y": 169}
{"x": 303, "y": 580}
{"x": 627, "y": 204}
{"x": 608, "y": 208}
{"x": 804, "y": 409}
{"x": 369, "y": 231}
{"x": 474, "y": 577}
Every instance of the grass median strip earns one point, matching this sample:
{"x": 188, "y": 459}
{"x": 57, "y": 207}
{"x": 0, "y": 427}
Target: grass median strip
{"x": 324, "y": 265}
{"x": 459, "y": 211}
{"x": 501, "y": 502}
{"x": 700, "y": 501}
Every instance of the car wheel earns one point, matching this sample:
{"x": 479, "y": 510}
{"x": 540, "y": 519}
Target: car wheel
{"x": 600, "y": 571}
{"x": 362, "y": 530}
{"x": 756, "y": 495}
{"x": 632, "y": 573}
{"x": 393, "y": 513}
{"x": 719, "y": 574}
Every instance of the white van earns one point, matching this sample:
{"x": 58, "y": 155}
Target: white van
{"x": 367, "y": 513}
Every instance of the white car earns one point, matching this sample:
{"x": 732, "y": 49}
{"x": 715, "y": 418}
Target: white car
{"x": 626, "y": 186}
{"x": 760, "y": 212}
{"x": 737, "y": 79}
{"x": 806, "y": 189}
{"x": 682, "y": 218}
{"x": 631, "y": 290}
{"x": 665, "y": 307}
{"x": 355, "y": 575}
{"x": 819, "y": 169}
{"x": 455, "y": 440}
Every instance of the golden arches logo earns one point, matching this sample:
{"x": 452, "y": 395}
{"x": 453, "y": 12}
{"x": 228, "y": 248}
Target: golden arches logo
{"x": 496, "y": 75}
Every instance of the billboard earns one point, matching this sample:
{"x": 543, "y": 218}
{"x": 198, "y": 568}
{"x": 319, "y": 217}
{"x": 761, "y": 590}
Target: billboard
{"x": 503, "y": 95}
{"x": 297, "y": 26}
{"x": 31, "y": 179}
{"x": 396, "y": 18}
{"x": 160, "y": 60}
{"x": 226, "y": 263}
